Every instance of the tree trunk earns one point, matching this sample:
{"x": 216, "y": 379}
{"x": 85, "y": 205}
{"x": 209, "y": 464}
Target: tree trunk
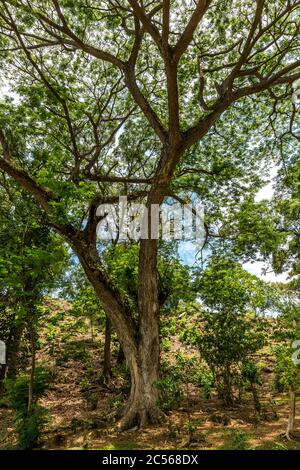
{"x": 142, "y": 407}
{"x": 32, "y": 371}
{"x": 121, "y": 357}
{"x": 227, "y": 393}
{"x": 107, "y": 352}
{"x": 255, "y": 398}
{"x": 13, "y": 349}
{"x": 291, "y": 421}
{"x": 142, "y": 355}
{"x": 2, "y": 377}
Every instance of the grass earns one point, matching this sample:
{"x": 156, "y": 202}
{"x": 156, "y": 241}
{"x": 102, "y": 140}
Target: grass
{"x": 122, "y": 446}
{"x": 279, "y": 445}
{"x": 235, "y": 439}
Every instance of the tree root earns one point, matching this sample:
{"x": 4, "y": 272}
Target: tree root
{"x": 140, "y": 416}
{"x": 290, "y": 436}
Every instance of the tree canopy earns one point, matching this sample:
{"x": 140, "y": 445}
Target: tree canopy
{"x": 151, "y": 101}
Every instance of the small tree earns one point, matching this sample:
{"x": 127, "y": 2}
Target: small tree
{"x": 231, "y": 330}
{"x": 31, "y": 259}
{"x": 288, "y": 375}
{"x": 250, "y": 375}
{"x": 287, "y": 366}
{"x": 28, "y": 426}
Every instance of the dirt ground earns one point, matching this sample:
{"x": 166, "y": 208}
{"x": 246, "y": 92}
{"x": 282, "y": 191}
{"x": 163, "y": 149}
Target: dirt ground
{"x": 197, "y": 423}
{"x": 72, "y": 426}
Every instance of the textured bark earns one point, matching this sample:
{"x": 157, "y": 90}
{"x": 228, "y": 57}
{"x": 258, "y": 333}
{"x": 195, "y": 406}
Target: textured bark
{"x": 291, "y": 421}
{"x": 140, "y": 344}
{"x": 142, "y": 408}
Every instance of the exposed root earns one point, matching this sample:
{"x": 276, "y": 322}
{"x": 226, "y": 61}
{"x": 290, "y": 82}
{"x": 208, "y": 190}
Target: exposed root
{"x": 290, "y": 436}
{"x": 139, "y": 416}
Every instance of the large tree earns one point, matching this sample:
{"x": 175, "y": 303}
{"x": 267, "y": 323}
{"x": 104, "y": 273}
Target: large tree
{"x": 116, "y": 97}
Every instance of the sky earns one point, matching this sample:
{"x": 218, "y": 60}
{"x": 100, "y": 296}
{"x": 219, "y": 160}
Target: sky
{"x": 258, "y": 268}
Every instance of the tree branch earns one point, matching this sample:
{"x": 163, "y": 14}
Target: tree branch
{"x": 166, "y": 26}
{"x": 143, "y": 103}
{"x": 42, "y": 196}
{"x": 117, "y": 179}
{"x": 146, "y": 22}
{"x": 188, "y": 33}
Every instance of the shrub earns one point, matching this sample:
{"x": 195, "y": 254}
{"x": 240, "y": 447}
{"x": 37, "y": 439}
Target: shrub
{"x": 28, "y": 426}
{"x": 170, "y": 386}
{"x": 205, "y": 379}
{"x": 235, "y": 439}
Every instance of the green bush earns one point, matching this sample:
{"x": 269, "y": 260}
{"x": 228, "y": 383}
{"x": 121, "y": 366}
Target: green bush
{"x": 174, "y": 380}
{"x": 205, "y": 379}
{"x": 235, "y": 439}
{"x": 28, "y": 426}
{"x": 170, "y": 386}
{"x": 171, "y": 392}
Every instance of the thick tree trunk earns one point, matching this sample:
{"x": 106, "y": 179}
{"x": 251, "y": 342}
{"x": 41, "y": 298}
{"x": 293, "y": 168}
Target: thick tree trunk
{"x": 140, "y": 346}
{"x": 142, "y": 407}
{"x": 291, "y": 421}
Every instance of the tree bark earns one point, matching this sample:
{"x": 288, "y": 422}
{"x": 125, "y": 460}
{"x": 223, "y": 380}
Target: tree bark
{"x": 256, "y": 401}
{"x": 291, "y": 421}
{"x": 121, "y": 357}
{"x": 144, "y": 396}
{"x": 32, "y": 370}
{"x": 140, "y": 345}
{"x": 13, "y": 349}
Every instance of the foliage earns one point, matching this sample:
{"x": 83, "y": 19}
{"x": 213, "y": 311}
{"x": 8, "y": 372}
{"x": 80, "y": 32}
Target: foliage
{"x": 230, "y": 331}
{"x": 28, "y": 425}
{"x": 204, "y": 378}
{"x": 250, "y": 373}
{"x": 235, "y": 439}
{"x": 287, "y": 374}
{"x": 170, "y": 387}
{"x": 154, "y": 101}
{"x": 286, "y": 337}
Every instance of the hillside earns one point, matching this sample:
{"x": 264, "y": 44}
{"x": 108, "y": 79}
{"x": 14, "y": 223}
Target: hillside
{"x": 84, "y": 412}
